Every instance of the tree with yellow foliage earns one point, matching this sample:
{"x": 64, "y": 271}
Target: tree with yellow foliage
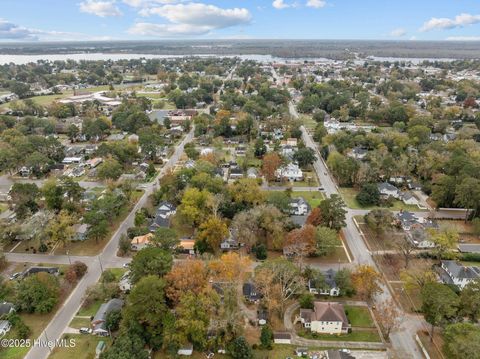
{"x": 230, "y": 267}
{"x": 366, "y": 281}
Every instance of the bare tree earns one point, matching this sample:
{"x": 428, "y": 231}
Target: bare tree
{"x": 406, "y": 248}
{"x": 388, "y": 316}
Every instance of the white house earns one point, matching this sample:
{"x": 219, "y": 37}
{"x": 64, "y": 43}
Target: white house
{"x": 186, "y": 350}
{"x": 299, "y": 207}
{"x": 291, "y": 172}
{"x": 206, "y": 151}
{"x": 358, "y": 153}
{"x": 125, "y": 283}
{"x": 419, "y": 237}
{"x": 229, "y": 244}
{"x": 329, "y": 287}
{"x": 409, "y": 198}
{"x": 388, "y": 190}
{"x": 326, "y": 318}
{"x": 458, "y": 274}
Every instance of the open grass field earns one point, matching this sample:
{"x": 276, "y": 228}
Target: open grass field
{"x": 349, "y": 195}
{"x": 359, "y": 316}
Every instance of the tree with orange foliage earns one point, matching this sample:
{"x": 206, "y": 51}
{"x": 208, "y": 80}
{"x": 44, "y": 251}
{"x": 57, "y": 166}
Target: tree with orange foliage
{"x": 221, "y": 114}
{"x": 189, "y": 276}
{"x": 230, "y": 267}
{"x": 315, "y": 217}
{"x": 300, "y": 243}
{"x": 271, "y": 162}
{"x": 366, "y": 281}
{"x": 210, "y": 157}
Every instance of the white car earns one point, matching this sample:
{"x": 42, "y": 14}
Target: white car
{"x": 85, "y": 330}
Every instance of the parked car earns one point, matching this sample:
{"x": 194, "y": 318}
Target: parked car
{"x": 85, "y": 330}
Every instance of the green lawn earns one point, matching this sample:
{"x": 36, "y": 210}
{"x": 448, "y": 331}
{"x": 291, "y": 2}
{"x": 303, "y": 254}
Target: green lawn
{"x": 312, "y": 197}
{"x": 90, "y": 310}
{"x": 79, "y": 323}
{"x": 338, "y": 256}
{"x": 359, "y": 316}
{"x": 349, "y": 195}
{"x": 117, "y": 272}
{"x": 308, "y": 121}
{"x": 354, "y": 336}
{"x": 85, "y": 346}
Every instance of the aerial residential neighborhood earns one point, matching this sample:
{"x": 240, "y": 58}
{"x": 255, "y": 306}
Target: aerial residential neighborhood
{"x": 165, "y": 193}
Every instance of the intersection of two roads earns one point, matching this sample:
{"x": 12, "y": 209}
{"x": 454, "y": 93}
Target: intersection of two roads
{"x": 402, "y": 339}
{"x": 96, "y": 264}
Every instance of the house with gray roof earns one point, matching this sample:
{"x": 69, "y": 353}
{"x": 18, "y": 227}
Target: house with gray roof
{"x": 358, "y": 153}
{"x": 299, "y": 207}
{"x": 388, "y": 190}
{"x": 99, "y": 322}
{"x": 6, "y": 308}
{"x": 165, "y": 210}
{"x": 327, "y": 287}
{"x": 458, "y": 274}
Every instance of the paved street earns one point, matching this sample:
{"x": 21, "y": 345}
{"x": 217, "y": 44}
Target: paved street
{"x": 107, "y": 259}
{"x": 402, "y": 339}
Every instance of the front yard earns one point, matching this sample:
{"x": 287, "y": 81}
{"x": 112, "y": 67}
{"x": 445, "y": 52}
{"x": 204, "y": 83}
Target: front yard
{"x": 312, "y": 197}
{"x": 354, "y": 336}
{"x": 349, "y": 195}
{"x": 85, "y": 346}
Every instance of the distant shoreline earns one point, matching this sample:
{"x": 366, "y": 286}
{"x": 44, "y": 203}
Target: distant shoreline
{"x": 25, "y": 59}
{"x": 283, "y": 49}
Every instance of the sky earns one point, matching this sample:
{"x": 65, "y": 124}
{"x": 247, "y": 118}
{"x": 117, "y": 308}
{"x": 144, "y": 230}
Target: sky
{"x": 87, "y": 20}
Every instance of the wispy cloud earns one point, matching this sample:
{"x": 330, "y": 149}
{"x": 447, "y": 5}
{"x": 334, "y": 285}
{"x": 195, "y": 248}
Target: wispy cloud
{"x": 444, "y": 23}
{"x": 317, "y": 4}
{"x": 463, "y": 38}
{"x": 399, "y": 32}
{"x": 100, "y": 8}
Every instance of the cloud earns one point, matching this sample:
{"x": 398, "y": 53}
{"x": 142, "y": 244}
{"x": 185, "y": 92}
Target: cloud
{"x": 167, "y": 30}
{"x": 280, "y": 4}
{"x": 444, "y": 23}
{"x": 399, "y": 32}
{"x": 11, "y": 31}
{"x": 317, "y": 4}
{"x": 100, "y": 8}
{"x": 463, "y": 38}
{"x": 150, "y": 3}
{"x": 189, "y": 19}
